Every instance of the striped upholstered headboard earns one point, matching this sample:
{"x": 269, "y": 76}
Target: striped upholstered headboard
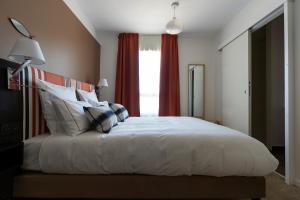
{"x": 33, "y": 119}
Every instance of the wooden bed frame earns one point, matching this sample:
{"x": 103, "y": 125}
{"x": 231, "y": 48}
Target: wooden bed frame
{"x": 40, "y": 185}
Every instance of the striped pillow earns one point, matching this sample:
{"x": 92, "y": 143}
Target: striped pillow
{"x": 120, "y": 111}
{"x": 102, "y": 118}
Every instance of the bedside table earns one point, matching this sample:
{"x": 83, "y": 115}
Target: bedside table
{"x": 11, "y": 136}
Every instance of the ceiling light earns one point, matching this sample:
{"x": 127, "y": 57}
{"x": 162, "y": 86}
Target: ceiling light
{"x": 174, "y": 26}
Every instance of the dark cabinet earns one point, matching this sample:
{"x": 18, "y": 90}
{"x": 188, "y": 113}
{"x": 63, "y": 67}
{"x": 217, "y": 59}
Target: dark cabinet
{"x": 11, "y": 145}
{"x": 11, "y": 132}
{"x": 11, "y": 157}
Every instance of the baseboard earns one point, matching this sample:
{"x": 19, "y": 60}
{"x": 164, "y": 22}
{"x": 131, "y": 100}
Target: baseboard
{"x": 295, "y": 181}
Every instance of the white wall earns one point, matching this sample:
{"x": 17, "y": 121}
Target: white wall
{"x": 196, "y": 49}
{"x": 108, "y": 61}
{"x": 235, "y": 99}
{"x": 75, "y": 8}
{"x": 297, "y": 89}
{"x": 217, "y": 62}
{"x": 247, "y": 17}
{"x": 254, "y": 11}
{"x": 193, "y": 49}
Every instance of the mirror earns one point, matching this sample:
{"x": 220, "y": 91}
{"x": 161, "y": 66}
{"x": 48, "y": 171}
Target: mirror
{"x": 20, "y": 27}
{"x": 196, "y": 90}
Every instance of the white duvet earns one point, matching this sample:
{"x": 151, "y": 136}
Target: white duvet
{"x": 158, "y": 146}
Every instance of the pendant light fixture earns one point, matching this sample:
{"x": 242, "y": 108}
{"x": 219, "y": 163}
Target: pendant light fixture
{"x": 174, "y": 26}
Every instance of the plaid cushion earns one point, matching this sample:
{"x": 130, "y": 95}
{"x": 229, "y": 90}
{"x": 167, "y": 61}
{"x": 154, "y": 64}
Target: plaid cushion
{"x": 102, "y": 118}
{"x": 120, "y": 111}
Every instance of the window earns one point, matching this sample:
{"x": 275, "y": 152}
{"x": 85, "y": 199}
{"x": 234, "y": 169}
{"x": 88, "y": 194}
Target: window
{"x": 149, "y": 68}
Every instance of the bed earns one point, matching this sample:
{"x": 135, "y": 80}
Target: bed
{"x": 144, "y": 158}
{"x": 157, "y": 157}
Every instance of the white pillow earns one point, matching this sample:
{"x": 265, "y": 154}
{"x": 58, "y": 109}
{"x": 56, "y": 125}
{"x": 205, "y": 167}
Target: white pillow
{"x": 98, "y": 103}
{"x": 71, "y": 116}
{"x": 85, "y": 96}
{"x": 91, "y": 98}
{"x": 51, "y": 91}
{"x": 67, "y": 93}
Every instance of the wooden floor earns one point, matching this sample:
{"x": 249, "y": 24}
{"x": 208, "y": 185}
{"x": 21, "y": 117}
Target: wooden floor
{"x": 278, "y": 190}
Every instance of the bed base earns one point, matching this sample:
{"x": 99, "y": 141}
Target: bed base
{"x": 40, "y": 185}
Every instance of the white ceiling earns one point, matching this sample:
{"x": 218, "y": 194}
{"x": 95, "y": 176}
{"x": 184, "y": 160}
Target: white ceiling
{"x": 151, "y": 16}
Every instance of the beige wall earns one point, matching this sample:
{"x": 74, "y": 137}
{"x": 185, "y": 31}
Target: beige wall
{"x": 193, "y": 49}
{"x": 197, "y": 49}
{"x": 109, "y": 49}
{"x": 69, "y": 49}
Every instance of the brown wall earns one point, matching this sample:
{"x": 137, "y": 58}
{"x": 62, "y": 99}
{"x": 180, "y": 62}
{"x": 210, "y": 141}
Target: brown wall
{"x": 268, "y": 83}
{"x": 275, "y": 82}
{"x": 258, "y": 85}
{"x": 69, "y": 49}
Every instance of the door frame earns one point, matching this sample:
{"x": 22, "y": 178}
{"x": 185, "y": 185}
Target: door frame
{"x": 289, "y": 80}
{"x": 289, "y": 90}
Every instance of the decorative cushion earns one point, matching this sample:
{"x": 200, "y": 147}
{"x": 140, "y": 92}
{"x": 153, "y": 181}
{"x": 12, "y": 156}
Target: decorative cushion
{"x": 48, "y": 93}
{"x": 120, "y": 111}
{"x": 71, "y": 116}
{"x": 102, "y": 118}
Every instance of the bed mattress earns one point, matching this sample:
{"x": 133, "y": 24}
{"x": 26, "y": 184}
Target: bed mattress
{"x": 32, "y": 148}
{"x": 169, "y": 146}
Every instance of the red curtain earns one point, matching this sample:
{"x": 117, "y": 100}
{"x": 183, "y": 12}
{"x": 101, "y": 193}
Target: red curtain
{"x": 169, "y": 94}
{"x": 127, "y": 77}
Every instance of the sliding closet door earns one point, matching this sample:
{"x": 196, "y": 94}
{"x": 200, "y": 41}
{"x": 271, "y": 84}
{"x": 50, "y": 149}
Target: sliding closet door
{"x": 235, "y": 79}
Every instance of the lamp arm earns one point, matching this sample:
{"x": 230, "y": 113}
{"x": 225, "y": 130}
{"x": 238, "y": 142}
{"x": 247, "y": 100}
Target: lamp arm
{"x": 27, "y": 62}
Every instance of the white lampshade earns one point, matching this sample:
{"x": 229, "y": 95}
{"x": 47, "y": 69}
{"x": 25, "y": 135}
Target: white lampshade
{"x": 103, "y": 83}
{"x": 174, "y": 26}
{"x": 27, "y": 49}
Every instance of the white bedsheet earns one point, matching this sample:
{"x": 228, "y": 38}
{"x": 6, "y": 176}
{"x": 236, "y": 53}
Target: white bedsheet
{"x": 32, "y": 152}
{"x": 158, "y": 146}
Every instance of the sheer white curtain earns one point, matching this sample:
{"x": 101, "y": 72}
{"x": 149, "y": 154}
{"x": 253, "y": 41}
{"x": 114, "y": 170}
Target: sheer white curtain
{"x": 149, "y": 73}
